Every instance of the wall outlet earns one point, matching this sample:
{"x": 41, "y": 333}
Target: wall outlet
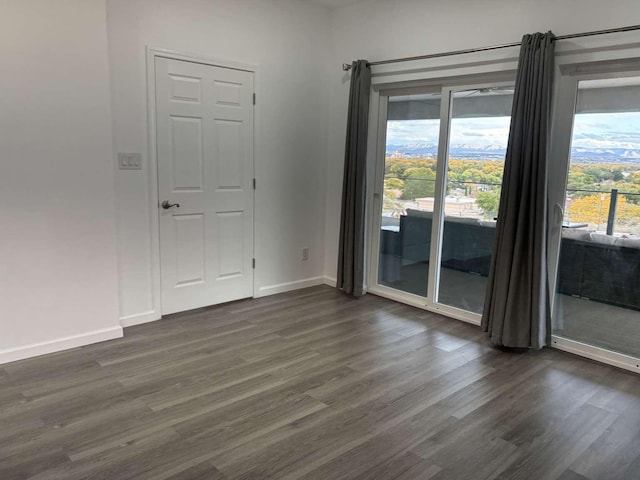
{"x": 129, "y": 161}
{"x": 305, "y": 254}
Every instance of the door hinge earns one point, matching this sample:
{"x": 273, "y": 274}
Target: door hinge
{"x": 253, "y": 263}
{"x": 254, "y": 98}
{"x": 254, "y": 183}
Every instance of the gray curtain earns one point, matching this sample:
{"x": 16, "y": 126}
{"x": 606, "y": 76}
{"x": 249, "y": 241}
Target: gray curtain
{"x": 516, "y": 309}
{"x": 352, "y": 225}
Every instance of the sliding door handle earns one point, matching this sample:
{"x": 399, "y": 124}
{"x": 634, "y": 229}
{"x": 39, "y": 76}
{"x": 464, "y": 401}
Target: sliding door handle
{"x": 559, "y": 214}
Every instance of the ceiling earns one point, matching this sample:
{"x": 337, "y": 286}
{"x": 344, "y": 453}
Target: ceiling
{"x": 630, "y": 81}
{"x": 334, "y": 3}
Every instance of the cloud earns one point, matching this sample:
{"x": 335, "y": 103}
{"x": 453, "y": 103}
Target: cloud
{"x": 607, "y": 130}
{"x": 590, "y": 130}
{"x": 485, "y": 131}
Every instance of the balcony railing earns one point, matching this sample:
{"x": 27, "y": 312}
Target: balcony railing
{"x": 611, "y": 211}
{"x": 606, "y": 216}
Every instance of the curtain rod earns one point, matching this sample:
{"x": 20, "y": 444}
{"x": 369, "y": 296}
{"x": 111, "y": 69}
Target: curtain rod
{"x": 347, "y": 66}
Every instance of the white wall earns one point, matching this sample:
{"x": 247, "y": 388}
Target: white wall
{"x": 290, "y": 42}
{"x": 378, "y": 30}
{"x": 57, "y": 246}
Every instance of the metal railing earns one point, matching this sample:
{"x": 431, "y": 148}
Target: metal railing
{"x": 611, "y": 213}
{"x": 613, "y": 204}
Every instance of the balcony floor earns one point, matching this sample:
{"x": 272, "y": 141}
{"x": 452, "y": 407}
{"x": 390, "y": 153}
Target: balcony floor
{"x": 598, "y": 324}
{"x": 594, "y": 323}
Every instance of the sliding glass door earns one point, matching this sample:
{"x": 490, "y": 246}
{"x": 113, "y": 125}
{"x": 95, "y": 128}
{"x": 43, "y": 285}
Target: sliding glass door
{"x": 478, "y": 137}
{"x": 598, "y": 282}
{"x": 411, "y": 150}
{"x": 439, "y": 180}
{"x": 440, "y": 146}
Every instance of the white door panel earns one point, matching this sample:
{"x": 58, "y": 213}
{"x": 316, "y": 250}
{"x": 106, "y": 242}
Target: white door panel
{"x": 204, "y": 122}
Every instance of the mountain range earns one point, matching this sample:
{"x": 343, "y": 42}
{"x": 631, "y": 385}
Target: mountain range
{"x": 497, "y": 152}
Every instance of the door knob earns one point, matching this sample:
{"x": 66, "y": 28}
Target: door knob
{"x": 166, "y": 205}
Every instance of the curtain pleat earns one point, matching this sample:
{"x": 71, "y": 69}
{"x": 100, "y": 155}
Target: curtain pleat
{"x": 516, "y": 309}
{"x": 350, "y": 276}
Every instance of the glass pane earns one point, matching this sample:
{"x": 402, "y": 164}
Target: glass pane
{"x": 598, "y": 300}
{"x": 413, "y": 123}
{"x": 477, "y": 145}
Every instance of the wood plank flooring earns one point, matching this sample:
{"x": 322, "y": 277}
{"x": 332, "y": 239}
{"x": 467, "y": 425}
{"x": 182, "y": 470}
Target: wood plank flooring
{"x": 315, "y": 385}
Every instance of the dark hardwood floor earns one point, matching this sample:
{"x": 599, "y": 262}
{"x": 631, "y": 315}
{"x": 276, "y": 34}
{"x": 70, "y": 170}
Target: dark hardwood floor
{"x": 315, "y": 385}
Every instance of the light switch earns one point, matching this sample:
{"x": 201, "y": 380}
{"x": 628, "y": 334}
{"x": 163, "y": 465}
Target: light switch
{"x": 129, "y": 161}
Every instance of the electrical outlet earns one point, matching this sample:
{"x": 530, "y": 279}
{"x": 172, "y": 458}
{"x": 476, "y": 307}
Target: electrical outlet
{"x": 305, "y": 254}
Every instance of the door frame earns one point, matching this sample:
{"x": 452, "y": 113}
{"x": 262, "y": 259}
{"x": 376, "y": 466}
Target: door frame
{"x": 379, "y": 104}
{"x": 154, "y": 200}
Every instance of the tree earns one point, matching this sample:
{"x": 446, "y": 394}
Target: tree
{"x": 595, "y": 209}
{"x": 393, "y": 187}
{"x": 418, "y": 183}
{"x": 579, "y": 180}
{"x": 617, "y": 174}
{"x": 627, "y": 213}
{"x": 601, "y": 173}
{"x": 473, "y": 175}
{"x": 391, "y": 205}
{"x": 489, "y": 202}
{"x": 590, "y": 209}
{"x": 633, "y": 189}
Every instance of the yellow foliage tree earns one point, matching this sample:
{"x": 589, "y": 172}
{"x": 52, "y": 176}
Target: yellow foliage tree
{"x": 627, "y": 212}
{"x": 595, "y": 209}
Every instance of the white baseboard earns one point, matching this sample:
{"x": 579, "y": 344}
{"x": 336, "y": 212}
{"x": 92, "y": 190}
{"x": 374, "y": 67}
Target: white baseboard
{"x": 139, "y": 318}
{"x": 332, "y": 282}
{"x": 59, "y": 344}
{"x": 287, "y": 287}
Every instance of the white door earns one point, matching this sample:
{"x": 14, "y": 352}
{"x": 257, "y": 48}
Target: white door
{"x": 204, "y": 135}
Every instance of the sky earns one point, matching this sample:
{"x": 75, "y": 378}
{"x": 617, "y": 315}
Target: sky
{"x": 477, "y": 131}
{"x": 607, "y": 130}
{"x": 591, "y": 130}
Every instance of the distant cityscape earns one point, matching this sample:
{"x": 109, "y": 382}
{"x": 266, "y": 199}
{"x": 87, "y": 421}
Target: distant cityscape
{"x": 597, "y": 138}
{"x": 617, "y": 156}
